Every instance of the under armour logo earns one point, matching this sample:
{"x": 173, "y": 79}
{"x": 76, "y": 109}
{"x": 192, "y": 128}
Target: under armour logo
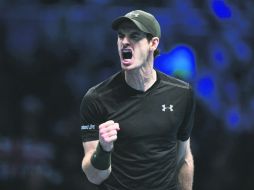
{"x": 164, "y": 107}
{"x": 134, "y": 14}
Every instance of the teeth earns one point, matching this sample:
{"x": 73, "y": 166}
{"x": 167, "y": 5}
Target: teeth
{"x": 127, "y": 54}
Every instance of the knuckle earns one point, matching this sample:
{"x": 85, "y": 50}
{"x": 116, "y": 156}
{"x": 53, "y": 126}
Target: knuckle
{"x": 110, "y": 122}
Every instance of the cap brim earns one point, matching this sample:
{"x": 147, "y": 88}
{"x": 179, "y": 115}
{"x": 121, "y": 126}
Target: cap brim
{"x": 120, "y": 20}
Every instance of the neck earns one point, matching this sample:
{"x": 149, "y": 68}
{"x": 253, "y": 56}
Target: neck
{"x": 142, "y": 78}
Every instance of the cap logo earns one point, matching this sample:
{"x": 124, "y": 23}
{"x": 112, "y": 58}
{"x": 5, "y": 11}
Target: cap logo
{"x": 134, "y": 14}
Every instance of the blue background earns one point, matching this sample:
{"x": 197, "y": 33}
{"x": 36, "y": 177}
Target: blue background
{"x": 53, "y": 51}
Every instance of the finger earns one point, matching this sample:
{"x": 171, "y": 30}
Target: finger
{"x": 107, "y": 123}
{"x": 109, "y": 134}
{"x": 114, "y": 126}
{"x": 117, "y": 126}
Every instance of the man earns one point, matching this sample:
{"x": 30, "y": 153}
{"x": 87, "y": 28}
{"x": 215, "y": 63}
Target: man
{"x": 136, "y": 125}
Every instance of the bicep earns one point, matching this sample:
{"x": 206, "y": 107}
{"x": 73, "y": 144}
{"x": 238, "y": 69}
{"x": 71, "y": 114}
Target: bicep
{"x": 185, "y": 167}
{"x": 183, "y": 150}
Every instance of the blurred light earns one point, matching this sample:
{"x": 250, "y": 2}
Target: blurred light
{"x": 231, "y": 90}
{"x": 188, "y": 19}
{"x": 206, "y": 90}
{"x": 221, "y": 9}
{"x": 243, "y": 51}
{"x": 219, "y": 56}
{"x": 233, "y": 117}
{"x": 179, "y": 62}
{"x": 205, "y": 87}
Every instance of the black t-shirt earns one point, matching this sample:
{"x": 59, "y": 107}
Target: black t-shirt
{"x": 151, "y": 122}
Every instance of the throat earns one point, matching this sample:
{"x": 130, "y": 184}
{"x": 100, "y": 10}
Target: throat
{"x": 141, "y": 81}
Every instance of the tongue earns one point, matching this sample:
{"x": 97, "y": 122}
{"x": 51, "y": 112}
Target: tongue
{"x": 127, "y": 55}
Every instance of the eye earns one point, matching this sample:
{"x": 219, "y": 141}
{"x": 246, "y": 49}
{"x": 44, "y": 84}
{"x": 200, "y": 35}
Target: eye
{"x": 120, "y": 35}
{"x": 137, "y": 36}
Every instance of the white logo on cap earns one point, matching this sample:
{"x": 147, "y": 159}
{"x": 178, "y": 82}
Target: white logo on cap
{"x": 134, "y": 14}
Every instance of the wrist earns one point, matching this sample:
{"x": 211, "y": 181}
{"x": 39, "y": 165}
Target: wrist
{"x": 106, "y": 148}
{"x": 101, "y": 159}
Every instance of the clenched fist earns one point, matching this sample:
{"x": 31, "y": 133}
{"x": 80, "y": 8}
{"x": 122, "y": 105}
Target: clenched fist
{"x": 108, "y": 134}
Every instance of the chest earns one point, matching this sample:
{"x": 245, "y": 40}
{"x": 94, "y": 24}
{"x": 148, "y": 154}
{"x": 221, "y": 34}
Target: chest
{"x": 143, "y": 116}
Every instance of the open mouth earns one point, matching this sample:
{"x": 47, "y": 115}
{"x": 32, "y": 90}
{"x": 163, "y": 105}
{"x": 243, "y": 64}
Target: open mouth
{"x": 126, "y": 54}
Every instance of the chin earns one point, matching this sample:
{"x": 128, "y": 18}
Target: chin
{"x": 126, "y": 68}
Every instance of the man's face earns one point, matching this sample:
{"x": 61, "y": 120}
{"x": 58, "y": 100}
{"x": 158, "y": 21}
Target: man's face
{"x": 133, "y": 46}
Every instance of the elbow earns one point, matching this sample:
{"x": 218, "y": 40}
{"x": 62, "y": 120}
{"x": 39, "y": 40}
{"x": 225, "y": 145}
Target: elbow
{"x": 186, "y": 161}
{"x": 94, "y": 180}
{"x": 189, "y": 159}
{"x": 90, "y": 175}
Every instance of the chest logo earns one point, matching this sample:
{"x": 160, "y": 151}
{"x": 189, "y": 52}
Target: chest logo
{"x": 164, "y": 107}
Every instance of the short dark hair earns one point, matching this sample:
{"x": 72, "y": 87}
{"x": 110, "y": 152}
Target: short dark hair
{"x": 149, "y": 37}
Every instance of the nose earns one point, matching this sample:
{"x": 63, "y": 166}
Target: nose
{"x": 125, "y": 41}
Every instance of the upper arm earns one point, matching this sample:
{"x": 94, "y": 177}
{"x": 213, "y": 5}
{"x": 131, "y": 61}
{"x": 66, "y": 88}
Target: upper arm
{"x": 184, "y": 130}
{"x": 185, "y": 167}
{"x": 89, "y": 124}
{"x": 183, "y": 150}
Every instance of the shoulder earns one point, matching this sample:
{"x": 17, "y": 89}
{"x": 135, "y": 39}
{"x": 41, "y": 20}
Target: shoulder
{"x": 172, "y": 81}
{"x": 94, "y": 94}
{"x": 92, "y": 99}
{"x": 105, "y": 86}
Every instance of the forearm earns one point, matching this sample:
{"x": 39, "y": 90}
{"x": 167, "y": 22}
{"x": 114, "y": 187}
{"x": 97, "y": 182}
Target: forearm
{"x": 96, "y": 163}
{"x": 186, "y": 173}
{"x": 94, "y": 175}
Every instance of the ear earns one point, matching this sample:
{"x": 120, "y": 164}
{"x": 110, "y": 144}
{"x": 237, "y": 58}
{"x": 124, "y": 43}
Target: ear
{"x": 154, "y": 43}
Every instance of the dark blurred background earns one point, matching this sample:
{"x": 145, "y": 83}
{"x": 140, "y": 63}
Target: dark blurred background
{"x": 53, "y": 51}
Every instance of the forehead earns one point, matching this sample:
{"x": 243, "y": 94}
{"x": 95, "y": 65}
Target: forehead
{"x": 128, "y": 26}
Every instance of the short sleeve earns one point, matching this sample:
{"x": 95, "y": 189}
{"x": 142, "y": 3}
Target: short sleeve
{"x": 91, "y": 117}
{"x": 185, "y": 129}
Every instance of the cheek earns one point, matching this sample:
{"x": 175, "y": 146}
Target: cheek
{"x": 141, "y": 49}
{"x": 118, "y": 46}
{"x": 141, "y": 56}
{"x": 143, "y": 52}
{"x": 118, "y": 42}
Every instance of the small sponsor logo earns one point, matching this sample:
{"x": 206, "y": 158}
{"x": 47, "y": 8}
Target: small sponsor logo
{"x": 164, "y": 107}
{"x": 88, "y": 127}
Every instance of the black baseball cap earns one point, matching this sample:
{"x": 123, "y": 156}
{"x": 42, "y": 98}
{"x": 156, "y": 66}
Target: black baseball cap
{"x": 145, "y": 21}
